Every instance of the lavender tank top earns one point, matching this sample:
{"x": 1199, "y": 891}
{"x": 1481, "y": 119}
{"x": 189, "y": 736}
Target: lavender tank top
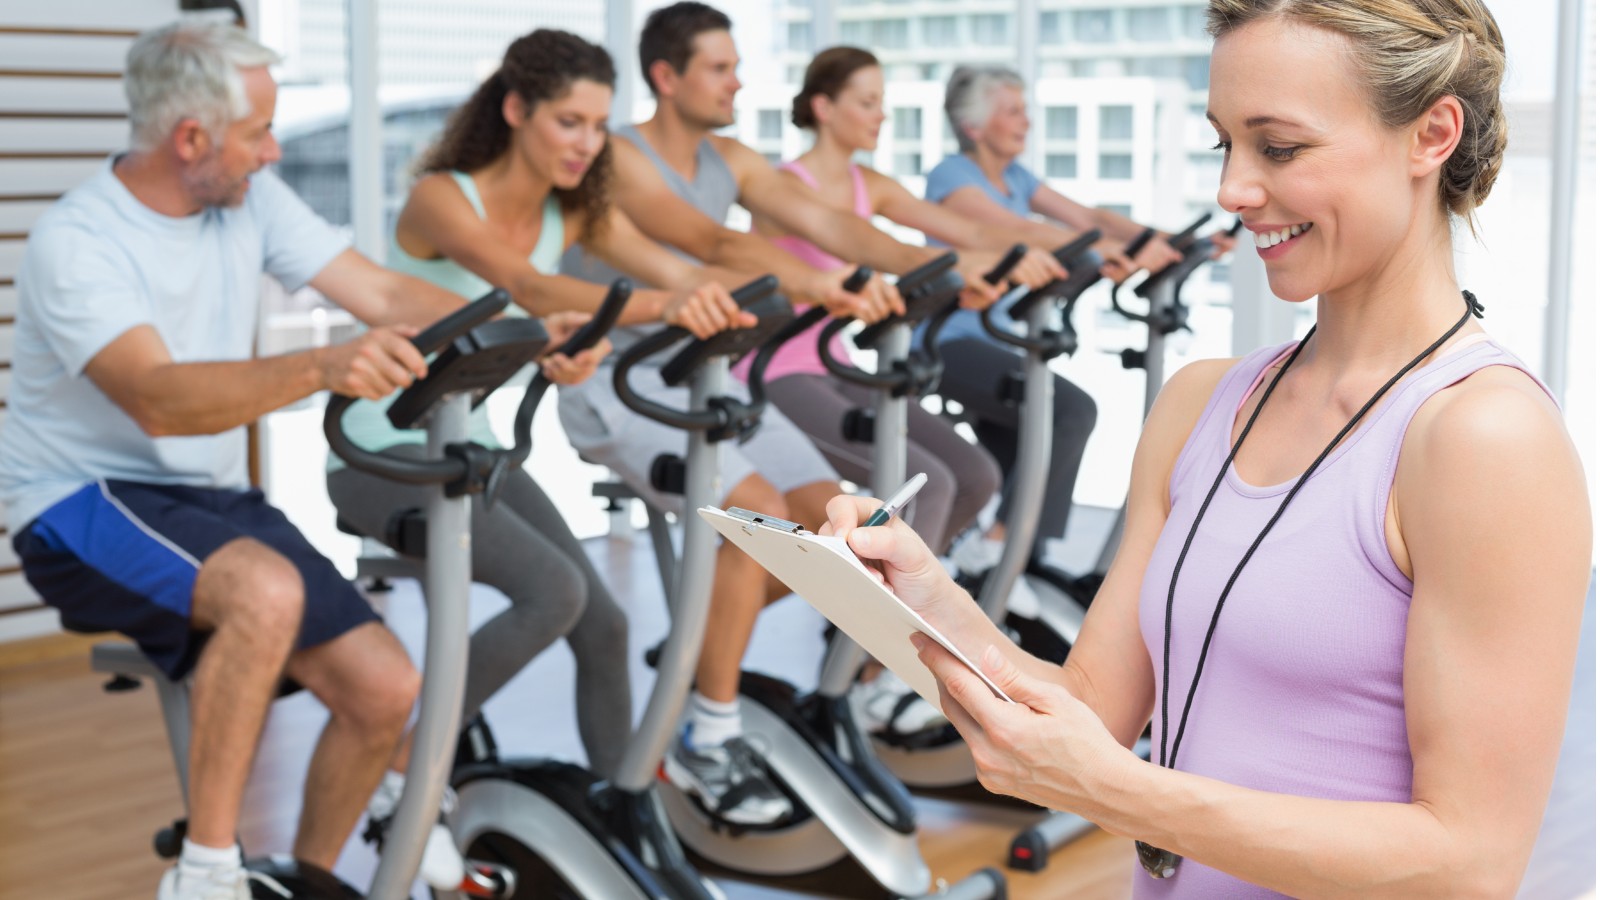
{"x": 1302, "y": 689}
{"x": 799, "y": 355}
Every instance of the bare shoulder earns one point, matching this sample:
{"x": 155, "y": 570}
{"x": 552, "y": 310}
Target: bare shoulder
{"x": 1495, "y": 415}
{"x": 1186, "y": 393}
{"x": 1176, "y": 412}
{"x": 741, "y": 159}
{"x": 1489, "y": 452}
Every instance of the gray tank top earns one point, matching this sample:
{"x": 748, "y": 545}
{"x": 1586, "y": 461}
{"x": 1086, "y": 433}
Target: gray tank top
{"x": 713, "y": 191}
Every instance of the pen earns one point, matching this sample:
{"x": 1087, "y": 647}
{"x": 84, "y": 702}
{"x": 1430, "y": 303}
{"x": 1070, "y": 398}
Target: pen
{"x": 896, "y": 501}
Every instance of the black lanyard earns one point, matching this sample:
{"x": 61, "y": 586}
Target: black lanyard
{"x": 1164, "y": 863}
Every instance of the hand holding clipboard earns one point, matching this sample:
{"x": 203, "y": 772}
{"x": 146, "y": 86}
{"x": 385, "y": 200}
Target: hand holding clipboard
{"x": 827, "y": 574}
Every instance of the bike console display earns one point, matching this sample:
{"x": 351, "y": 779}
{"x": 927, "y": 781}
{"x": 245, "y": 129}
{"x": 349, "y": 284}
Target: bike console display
{"x": 760, "y": 299}
{"x": 476, "y": 363}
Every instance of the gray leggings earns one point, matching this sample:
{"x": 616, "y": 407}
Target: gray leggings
{"x": 524, "y": 549}
{"x": 961, "y": 476}
{"x": 974, "y": 370}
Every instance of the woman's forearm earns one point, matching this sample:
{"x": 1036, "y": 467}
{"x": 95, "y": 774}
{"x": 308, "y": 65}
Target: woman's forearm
{"x": 1300, "y": 846}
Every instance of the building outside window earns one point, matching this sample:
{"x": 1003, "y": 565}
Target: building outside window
{"x": 1061, "y": 123}
{"x": 891, "y": 34}
{"x": 1052, "y": 28}
{"x": 1149, "y": 24}
{"x": 1116, "y": 166}
{"x": 1092, "y": 26}
{"x": 1061, "y": 165}
{"x": 800, "y": 37}
{"x": 991, "y": 30}
{"x": 940, "y": 31}
{"x": 770, "y": 126}
{"x": 1116, "y": 123}
{"x": 908, "y": 123}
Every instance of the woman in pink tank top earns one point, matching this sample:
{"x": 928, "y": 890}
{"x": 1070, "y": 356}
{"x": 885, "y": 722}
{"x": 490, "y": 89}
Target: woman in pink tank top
{"x": 841, "y": 102}
{"x": 1353, "y": 574}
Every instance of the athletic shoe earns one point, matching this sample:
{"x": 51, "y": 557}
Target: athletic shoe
{"x": 730, "y": 780}
{"x": 218, "y": 883}
{"x": 976, "y": 556}
{"x": 886, "y": 704}
{"x": 442, "y": 866}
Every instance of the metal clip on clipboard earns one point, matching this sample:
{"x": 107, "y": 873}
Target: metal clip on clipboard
{"x": 773, "y": 522}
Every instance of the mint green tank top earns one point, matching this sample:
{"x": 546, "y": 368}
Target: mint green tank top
{"x": 367, "y": 422}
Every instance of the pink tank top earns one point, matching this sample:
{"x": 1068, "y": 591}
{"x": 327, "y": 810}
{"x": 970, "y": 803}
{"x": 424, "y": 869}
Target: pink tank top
{"x": 1302, "y": 689}
{"x": 799, "y": 355}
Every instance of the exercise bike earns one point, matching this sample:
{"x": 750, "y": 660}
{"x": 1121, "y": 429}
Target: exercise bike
{"x": 480, "y": 355}
{"x": 853, "y": 827}
{"x": 1030, "y": 850}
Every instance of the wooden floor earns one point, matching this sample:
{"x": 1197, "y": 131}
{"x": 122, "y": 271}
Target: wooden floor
{"x": 81, "y": 768}
{"x": 86, "y": 778}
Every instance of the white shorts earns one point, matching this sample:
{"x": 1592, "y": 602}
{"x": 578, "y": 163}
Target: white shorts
{"x": 607, "y": 433}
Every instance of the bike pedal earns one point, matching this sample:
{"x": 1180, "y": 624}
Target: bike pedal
{"x": 488, "y": 880}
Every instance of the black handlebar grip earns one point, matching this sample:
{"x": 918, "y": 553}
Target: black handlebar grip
{"x": 1137, "y": 244}
{"x": 461, "y": 321}
{"x": 930, "y": 269}
{"x": 1068, "y": 251}
{"x": 857, "y": 280}
{"x": 756, "y": 291}
{"x": 1006, "y": 264}
{"x": 1185, "y": 237}
{"x": 604, "y": 319}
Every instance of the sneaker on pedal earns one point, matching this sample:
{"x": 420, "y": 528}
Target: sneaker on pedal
{"x": 730, "y": 780}
{"x": 887, "y": 705}
{"x": 218, "y": 883}
{"x": 442, "y": 866}
{"x": 975, "y": 557}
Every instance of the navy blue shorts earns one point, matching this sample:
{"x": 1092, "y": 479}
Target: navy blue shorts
{"x": 123, "y": 556}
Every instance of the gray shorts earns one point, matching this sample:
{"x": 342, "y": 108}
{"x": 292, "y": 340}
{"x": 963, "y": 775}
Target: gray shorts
{"x": 605, "y": 432}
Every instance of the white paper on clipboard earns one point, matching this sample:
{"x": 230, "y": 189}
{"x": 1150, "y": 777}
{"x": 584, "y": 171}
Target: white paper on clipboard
{"x": 826, "y": 573}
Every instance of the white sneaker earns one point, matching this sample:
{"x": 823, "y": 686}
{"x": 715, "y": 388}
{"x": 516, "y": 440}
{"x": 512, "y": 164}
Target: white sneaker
{"x": 1022, "y": 600}
{"x": 975, "y": 554}
{"x": 217, "y": 883}
{"x": 888, "y": 704}
{"x": 442, "y": 866}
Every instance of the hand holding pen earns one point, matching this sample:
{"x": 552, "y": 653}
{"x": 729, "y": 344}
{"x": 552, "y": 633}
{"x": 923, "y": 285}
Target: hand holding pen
{"x": 896, "y": 501}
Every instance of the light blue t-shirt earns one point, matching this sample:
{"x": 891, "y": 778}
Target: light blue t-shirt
{"x": 959, "y": 171}
{"x": 98, "y": 263}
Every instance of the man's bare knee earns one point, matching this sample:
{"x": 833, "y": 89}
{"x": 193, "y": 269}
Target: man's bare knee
{"x": 757, "y": 493}
{"x": 249, "y": 585}
{"x": 364, "y": 677}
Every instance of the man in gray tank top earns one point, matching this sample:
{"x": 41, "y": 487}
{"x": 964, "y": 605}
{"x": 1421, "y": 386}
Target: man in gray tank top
{"x": 678, "y": 181}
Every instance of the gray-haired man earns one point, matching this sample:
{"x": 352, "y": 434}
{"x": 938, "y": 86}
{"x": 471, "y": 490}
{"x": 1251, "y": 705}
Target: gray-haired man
{"x": 122, "y": 461}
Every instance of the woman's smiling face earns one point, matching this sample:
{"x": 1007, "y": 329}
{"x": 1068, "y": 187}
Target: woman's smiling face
{"x": 1327, "y": 191}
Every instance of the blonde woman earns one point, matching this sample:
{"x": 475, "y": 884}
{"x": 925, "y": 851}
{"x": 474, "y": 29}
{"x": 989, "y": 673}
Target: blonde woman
{"x": 1353, "y": 576}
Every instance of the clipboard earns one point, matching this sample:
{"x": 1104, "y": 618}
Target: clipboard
{"x": 827, "y": 574}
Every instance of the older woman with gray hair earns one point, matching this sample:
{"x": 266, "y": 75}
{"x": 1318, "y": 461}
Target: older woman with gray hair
{"x": 986, "y": 184}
